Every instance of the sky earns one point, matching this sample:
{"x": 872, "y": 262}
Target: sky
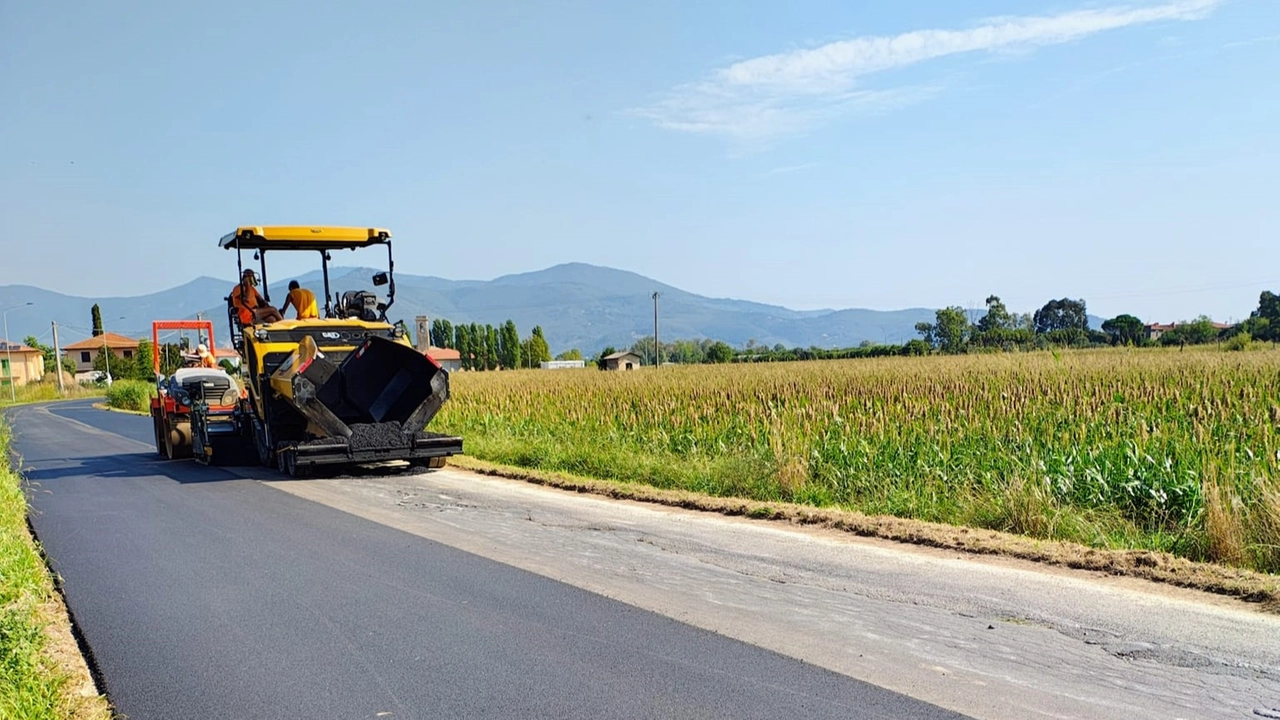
{"x": 812, "y": 154}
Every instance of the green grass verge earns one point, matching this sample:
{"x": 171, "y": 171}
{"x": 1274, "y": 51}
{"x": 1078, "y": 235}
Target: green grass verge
{"x": 30, "y": 684}
{"x": 34, "y": 685}
{"x": 46, "y": 391}
{"x": 132, "y": 395}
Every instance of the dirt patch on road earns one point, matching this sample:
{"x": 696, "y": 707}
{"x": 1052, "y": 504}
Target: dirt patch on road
{"x": 1159, "y": 567}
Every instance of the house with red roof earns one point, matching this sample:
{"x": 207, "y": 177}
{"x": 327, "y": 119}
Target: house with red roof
{"x": 83, "y": 352}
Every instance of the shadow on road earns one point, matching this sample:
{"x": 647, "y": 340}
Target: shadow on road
{"x": 122, "y": 465}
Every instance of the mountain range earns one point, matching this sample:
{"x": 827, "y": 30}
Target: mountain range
{"x": 578, "y": 306}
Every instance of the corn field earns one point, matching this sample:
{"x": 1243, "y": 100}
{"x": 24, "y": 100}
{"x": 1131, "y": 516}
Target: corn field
{"x": 1152, "y": 449}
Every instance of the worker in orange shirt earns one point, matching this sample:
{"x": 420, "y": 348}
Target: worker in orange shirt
{"x": 205, "y": 357}
{"x": 250, "y": 307}
{"x": 302, "y": 300}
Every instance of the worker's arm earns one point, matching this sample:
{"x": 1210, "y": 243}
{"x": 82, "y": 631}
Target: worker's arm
{"x": 287, "y": 300}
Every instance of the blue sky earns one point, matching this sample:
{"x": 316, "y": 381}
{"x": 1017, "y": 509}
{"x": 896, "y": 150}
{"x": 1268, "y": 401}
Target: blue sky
{"x": 810, "y": 154}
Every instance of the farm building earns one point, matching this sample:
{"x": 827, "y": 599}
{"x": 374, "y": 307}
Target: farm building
{"x": 1155, "y": 330}
{"x": 20, "y": 364}
{"x": 624, "y": 360}
{"x": 562, "y": 364}
{"x": 448, "y": 358}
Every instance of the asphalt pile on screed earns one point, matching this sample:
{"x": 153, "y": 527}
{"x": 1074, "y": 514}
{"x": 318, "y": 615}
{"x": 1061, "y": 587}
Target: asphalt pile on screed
{"x": 366, "y": 436}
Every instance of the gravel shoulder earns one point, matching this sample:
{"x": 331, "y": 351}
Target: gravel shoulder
{"x": 1256, "y": 588}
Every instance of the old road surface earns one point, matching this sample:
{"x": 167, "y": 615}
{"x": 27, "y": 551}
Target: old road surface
{"x": 237, "y": 593}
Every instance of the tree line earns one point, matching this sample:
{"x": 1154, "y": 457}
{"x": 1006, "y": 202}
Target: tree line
{"x": 1065, "y": 323}
{"x": 681, "y": 352}
{"x": 485, "y": 347}
{"x": 1058, "y": 323}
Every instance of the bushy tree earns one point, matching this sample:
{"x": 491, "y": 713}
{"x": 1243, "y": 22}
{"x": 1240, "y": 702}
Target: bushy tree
{"x": 686, "y": 351}
{"x": 1064, "y": 314}
{"x": 1264, "y": 323}
{"x": 96, "y": 313}
{"x": 137, "y": 367}
{"x": 1259, "y": 328}
{"x": 719, "y": 352}
{"x": 997, "y": 317}
{"x": 950, "y": 331}
{"x": 916, "y": 347}
{"x": 927, "y": 333}
{"x": 1125, "y": 330}
{"x": 1200, "y": 331}
{"x": 606, "y": 352}
{"x": 142, "y": 367}
{"x": 571, "y": 354}
{"x": 644, "y": 348}
{"x": 536, "y": 348}
{"x": 50, "y": 357}
{"x": 1067, "y": 337}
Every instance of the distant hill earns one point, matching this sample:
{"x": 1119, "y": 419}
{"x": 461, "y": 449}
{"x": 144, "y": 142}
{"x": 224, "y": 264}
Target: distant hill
{"x": 577, "y": 305}
{"x": 73, "y": 314}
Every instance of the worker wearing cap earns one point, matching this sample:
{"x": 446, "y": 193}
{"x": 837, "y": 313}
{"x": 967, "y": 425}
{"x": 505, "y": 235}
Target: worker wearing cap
{"x": 206, "y": 357}
{"x": 248, "y": 302}
{"x": 303, "y": 300}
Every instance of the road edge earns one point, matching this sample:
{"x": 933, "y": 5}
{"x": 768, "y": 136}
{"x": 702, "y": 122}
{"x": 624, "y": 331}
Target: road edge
{"x": 63, "y": 654}
{"x": 1258, "y": 589}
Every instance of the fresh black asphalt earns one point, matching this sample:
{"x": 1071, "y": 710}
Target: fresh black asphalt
{"x": 204, "y": 594}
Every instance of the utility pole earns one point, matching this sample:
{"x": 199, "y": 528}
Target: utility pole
{"x": 657, "y": 346}
{"x": 8, "y": 351}
{"x": 106, "y": 356}
{"x": 57, "y": 358}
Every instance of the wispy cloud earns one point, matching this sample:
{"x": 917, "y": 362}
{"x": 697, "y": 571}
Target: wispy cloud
{"x": 788, "y": 169}
{"x": 761, "y": 98}
{"x": 1253, "y": 41}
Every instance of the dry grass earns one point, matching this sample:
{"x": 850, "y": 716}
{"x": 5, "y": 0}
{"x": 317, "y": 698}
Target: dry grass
{"x": 47, "y": 390}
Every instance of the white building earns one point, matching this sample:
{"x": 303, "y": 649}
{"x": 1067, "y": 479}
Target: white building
{"x": 563, "y": 364}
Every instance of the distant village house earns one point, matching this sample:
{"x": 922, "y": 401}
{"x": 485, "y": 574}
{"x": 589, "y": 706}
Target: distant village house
{"x": 447, "y": 358}
{"x": 82, "y": 353}
{"x": 1155, "y": 330}
{"x": 19, "y": 364}
{"x": 228, "y": 354}
{"x": 624, "y": 360}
